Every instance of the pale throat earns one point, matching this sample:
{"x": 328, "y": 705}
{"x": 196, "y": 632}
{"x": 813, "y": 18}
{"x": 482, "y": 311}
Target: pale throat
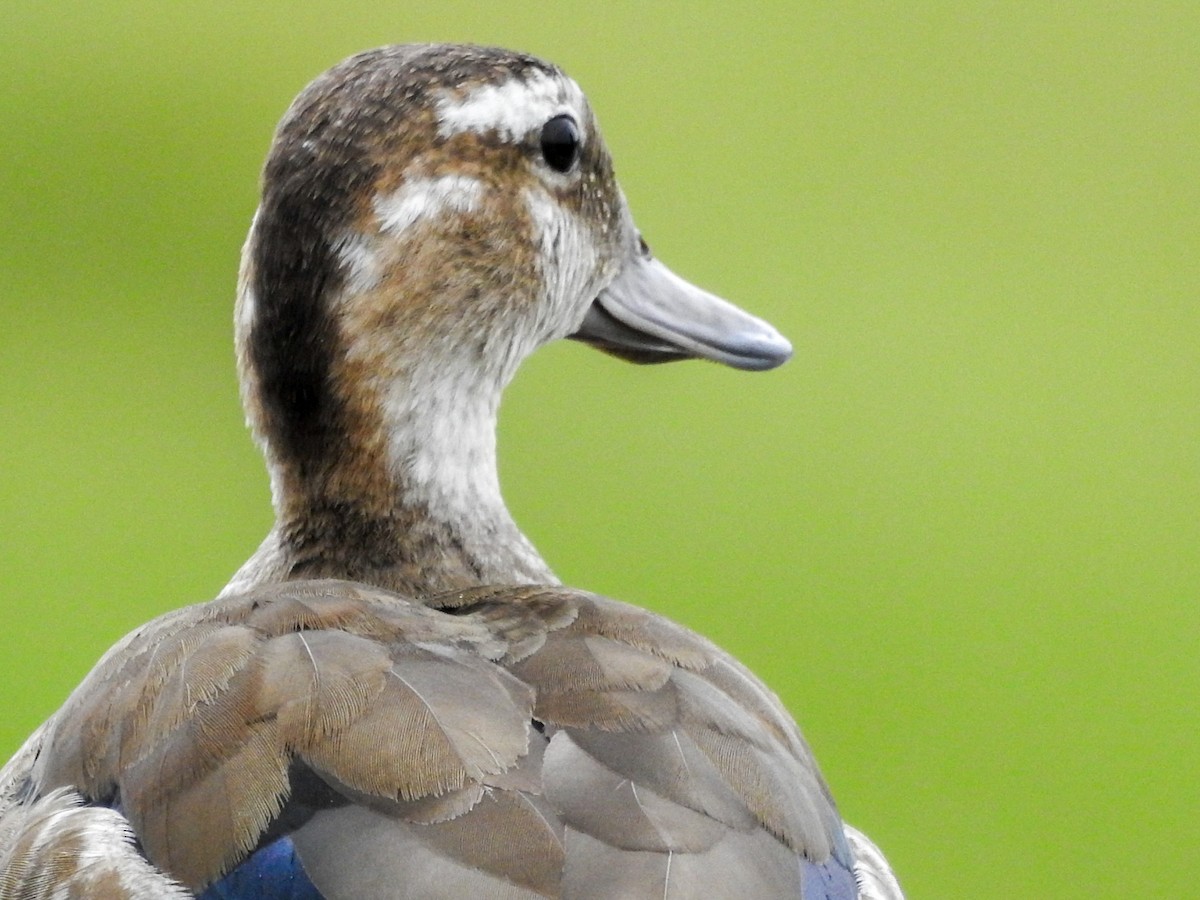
{"x": 437, "y": 420}
{"x": 440, "y": 433}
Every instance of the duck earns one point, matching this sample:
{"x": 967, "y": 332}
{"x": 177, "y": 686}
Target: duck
{"x": 395, "y": 697}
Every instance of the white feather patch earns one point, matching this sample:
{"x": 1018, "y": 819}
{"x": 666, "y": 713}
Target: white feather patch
{"x": 246, "y": 308}
{"x": 569, "y": 263}
{"x": 876, "y": 881}
{"x": 424, "y": 198}
{"x": 361, "y": 266}
{"x": 364, "y": 258}
{"x": 512, "y": 108}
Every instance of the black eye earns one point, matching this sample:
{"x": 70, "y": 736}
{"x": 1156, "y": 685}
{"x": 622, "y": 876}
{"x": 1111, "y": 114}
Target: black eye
{"x": 560, "y": 143}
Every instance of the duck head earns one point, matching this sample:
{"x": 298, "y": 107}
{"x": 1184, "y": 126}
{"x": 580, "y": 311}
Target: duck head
{"x": 430, "y": 216}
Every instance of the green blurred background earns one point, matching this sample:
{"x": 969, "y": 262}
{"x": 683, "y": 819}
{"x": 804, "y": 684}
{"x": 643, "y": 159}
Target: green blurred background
{"x": 959, "y": 533}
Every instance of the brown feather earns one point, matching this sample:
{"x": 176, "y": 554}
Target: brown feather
{"x": 740, "y": 684}
{"x": 447, "y": 719}
{"x": 592, "y": 662}
{"x": 200, "y": 677}
{"x": 594, "y": 799}
{"x": 668, "y": 763}
{"x": 506, "y": 847}
{"x": 751, "y": 866}
{"x": 610, "y": 710}
{"x": 319, "y": 682}
{"x": 211, "y": 820}
{"x": 643, "y": 629}
{"x": 783, "y": 797}
{"x": 659, "y": 742}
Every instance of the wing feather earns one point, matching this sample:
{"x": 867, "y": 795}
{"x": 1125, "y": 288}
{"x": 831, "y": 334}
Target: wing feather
{"x": 665, "y": 769}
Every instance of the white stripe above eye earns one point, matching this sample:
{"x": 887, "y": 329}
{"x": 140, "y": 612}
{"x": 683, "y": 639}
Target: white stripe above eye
{"x": 424, "y": 198}
{"x": 512, "y": 108}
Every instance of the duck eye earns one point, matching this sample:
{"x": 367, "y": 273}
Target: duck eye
{"x": 560, "y": 143}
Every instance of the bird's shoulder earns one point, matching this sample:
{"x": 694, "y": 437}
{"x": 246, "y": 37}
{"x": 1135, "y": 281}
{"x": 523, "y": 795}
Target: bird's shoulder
{"x": 514, "y": 740}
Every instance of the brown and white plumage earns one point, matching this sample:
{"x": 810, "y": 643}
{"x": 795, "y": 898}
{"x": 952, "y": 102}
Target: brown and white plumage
{"x": 394, "y": 688}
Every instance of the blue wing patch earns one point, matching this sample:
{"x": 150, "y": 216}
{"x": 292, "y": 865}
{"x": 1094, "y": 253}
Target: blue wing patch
{"x": 829, "y": 881}
{"x": 272, "y": 872}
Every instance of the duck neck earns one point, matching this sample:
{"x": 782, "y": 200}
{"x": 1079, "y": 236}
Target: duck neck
{"x": 401, "y": 490}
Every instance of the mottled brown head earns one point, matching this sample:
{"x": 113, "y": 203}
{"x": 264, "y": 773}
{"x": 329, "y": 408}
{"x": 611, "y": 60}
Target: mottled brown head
{"x": 413, "y": 203}
{"x": 430, "y": 216}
